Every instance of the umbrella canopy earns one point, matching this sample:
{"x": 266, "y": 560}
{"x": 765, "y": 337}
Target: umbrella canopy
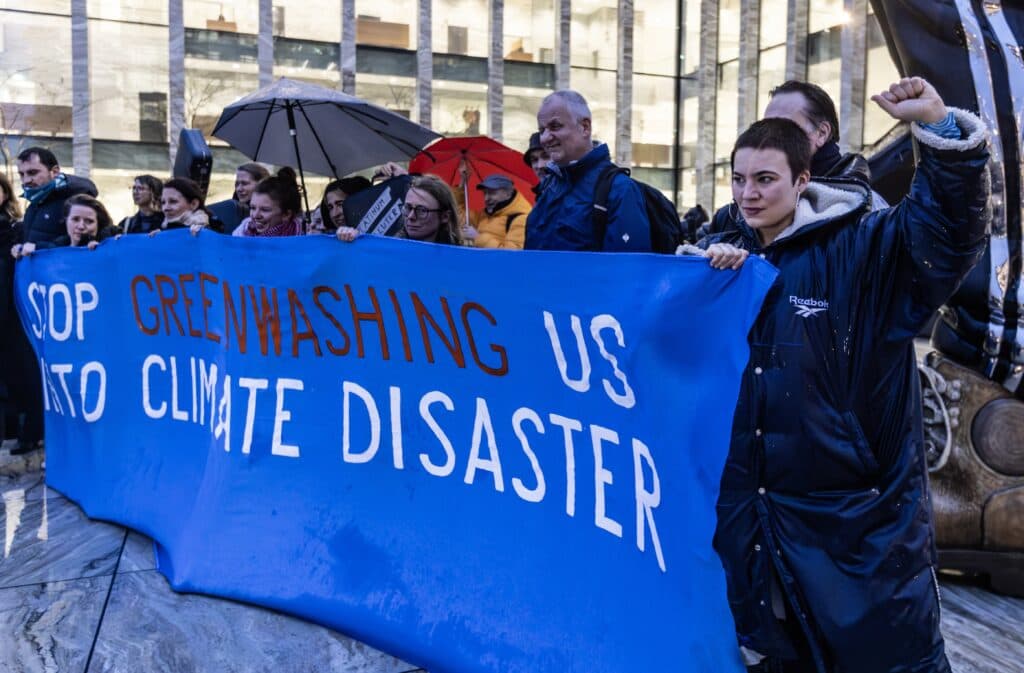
{"x": 291, "y": 123}
{"x": 483, "y": 156}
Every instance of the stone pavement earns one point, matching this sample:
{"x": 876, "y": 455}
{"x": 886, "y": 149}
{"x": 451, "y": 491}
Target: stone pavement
{"x": 83, "y": 596}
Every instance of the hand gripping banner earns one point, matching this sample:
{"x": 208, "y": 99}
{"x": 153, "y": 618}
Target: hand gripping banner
{"x": 475, "y": 460}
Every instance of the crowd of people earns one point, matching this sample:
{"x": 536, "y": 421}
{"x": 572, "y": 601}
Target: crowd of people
{"x": 824, "y": 524}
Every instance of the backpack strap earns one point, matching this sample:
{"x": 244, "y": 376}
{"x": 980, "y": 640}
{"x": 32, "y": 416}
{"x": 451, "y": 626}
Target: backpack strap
{"x": 509, "y": 219}
{"x": 600, "y": 208}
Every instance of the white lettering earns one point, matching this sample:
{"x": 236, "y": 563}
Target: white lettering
{"x": 147, "y": 403}
{"x": 101, "y": 399}
{"x": 82, "y": 305}
{"x": 426, "y": 401}
{"x": 569, "y": 426}
{"x": 38, "y": 325}
{"x": 396, "y": 427}
{"x": 528, "y": 494}
{"x": 348, "y": 390}
{"x": 602, "y": 322}
{"x": 207, "y": 391}
{"x": 252, "y": 385}
{"x": 602, "y": 477}
{"x": 282, "y": 416}
{"x": 482, "y": 425}
{"x": 223, "y": 426}
{"x": 62, "y": 371}
{"x": 646, "y": 500}
{"x": 65, "y": 332}
{"x": 582, "y": 384}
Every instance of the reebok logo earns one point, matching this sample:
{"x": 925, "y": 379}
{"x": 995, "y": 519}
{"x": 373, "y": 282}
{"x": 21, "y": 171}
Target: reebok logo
{"x": 807, "y": 308}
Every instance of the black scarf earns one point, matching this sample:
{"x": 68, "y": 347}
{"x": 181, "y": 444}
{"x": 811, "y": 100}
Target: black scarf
{"x": 825, "y": 159}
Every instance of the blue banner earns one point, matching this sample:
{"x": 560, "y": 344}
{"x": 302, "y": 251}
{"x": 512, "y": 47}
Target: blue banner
{"x": 476, "y": 460}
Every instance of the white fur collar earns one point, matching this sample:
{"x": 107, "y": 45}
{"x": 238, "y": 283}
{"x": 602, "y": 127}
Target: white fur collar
{"x": 821, "y": 201}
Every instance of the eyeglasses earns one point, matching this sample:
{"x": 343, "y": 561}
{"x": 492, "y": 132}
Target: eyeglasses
{"x": 421, "y": 211}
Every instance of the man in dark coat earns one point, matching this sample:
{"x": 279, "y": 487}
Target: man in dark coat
{"x": 824, "y": 526}
{"x": 46, "y": 188}
{"x": 563, "y": 216}
{"x": 814, "y": 111}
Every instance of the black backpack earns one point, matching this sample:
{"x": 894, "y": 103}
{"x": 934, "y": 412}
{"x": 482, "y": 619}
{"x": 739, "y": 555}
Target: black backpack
{"x": 666, "y": 230}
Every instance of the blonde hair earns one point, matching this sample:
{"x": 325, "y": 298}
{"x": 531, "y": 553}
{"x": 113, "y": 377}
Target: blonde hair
{"x": 448, "y": 232}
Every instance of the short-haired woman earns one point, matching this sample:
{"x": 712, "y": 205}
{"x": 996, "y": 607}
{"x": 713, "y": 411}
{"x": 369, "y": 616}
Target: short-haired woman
{"x": 824, "y": 520}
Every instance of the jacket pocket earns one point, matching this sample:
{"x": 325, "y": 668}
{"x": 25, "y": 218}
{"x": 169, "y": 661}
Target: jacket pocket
{"x": 860, "y": 443}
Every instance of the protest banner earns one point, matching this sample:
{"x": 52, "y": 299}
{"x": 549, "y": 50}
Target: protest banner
{"x": 377, "y": 210}
{"x": 476, "y": 460}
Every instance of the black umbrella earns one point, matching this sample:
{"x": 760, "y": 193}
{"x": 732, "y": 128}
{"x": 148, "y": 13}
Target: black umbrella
{"x": 319, "y": 129}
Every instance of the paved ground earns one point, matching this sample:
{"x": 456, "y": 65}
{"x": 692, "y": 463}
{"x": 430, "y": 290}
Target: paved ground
{"x": 82, "y": 596}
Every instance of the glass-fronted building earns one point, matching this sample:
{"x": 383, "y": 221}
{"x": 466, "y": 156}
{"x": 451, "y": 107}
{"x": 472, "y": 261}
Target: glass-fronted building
{"x": 107, "y": 84}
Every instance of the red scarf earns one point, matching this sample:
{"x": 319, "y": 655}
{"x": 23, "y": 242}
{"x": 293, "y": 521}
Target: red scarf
{"x": 291, "y": 227}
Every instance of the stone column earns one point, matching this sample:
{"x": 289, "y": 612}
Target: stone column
{"x": 265, "y": 43}
{"x": 624, "y": 87}
{"x": 563, "y": 29}
{"x": 707, "y": 87}
{"x": 854, "y": 46}
{"x": 347, "y": 66}
{"x": 176, "y": 73}
{"x": 496, "y": 71}
{"x": 796, "y": 39}
{"x": 750, "y": 45}
{"x": 81, "y": 130}
{"x": 425, "y": 64}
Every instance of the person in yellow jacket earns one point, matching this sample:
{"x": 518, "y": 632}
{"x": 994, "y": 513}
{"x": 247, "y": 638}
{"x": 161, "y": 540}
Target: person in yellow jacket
{"x": 503, "y": 222}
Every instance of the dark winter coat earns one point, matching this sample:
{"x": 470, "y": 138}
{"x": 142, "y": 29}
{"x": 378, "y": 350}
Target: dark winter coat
{"x": 825, "y": 488}
{"x": 10, "y": 235}
{"x": 563, "y": 217}
{"x": 140, "y": 223}
{"x": 229, "y": 213}
{"x": 44, "y": 221}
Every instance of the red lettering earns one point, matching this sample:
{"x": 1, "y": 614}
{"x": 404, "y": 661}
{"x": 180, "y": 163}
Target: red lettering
{"x": 372, "y": 316}
{"x": 502, "y": 368}
{"x": 267, "y": 316}
{"x": 454, "y": 345}
{"x": 241, "y": 331}
{"x": 152, "y": 309}
{"x": 401, "y": 325}
{"x": 207, "y": 303}
{"x": 309, "y": 334}
{"x": 317, "y": 291}
{"x": 167, "y": 302}
{"x": 182, "y": 279}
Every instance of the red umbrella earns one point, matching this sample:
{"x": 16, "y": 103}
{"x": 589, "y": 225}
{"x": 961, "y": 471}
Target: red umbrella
{"x": 483, "y": 156}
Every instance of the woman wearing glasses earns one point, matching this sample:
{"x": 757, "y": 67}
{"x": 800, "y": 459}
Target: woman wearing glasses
{"x": 146, "y": 194}
{"x": 429, "y": 214}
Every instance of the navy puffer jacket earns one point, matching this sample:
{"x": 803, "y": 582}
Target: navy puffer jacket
{"x": 44, "y": 221}
{"x": 824, "y": 499}
{"x": 563, "y": 217}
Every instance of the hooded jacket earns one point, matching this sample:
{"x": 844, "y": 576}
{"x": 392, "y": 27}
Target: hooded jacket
{"x": 563, "y": 217}
{"x": 824, "y": 499}
{"x": 506, "y": 227}
{"x": 44, "y": 221}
